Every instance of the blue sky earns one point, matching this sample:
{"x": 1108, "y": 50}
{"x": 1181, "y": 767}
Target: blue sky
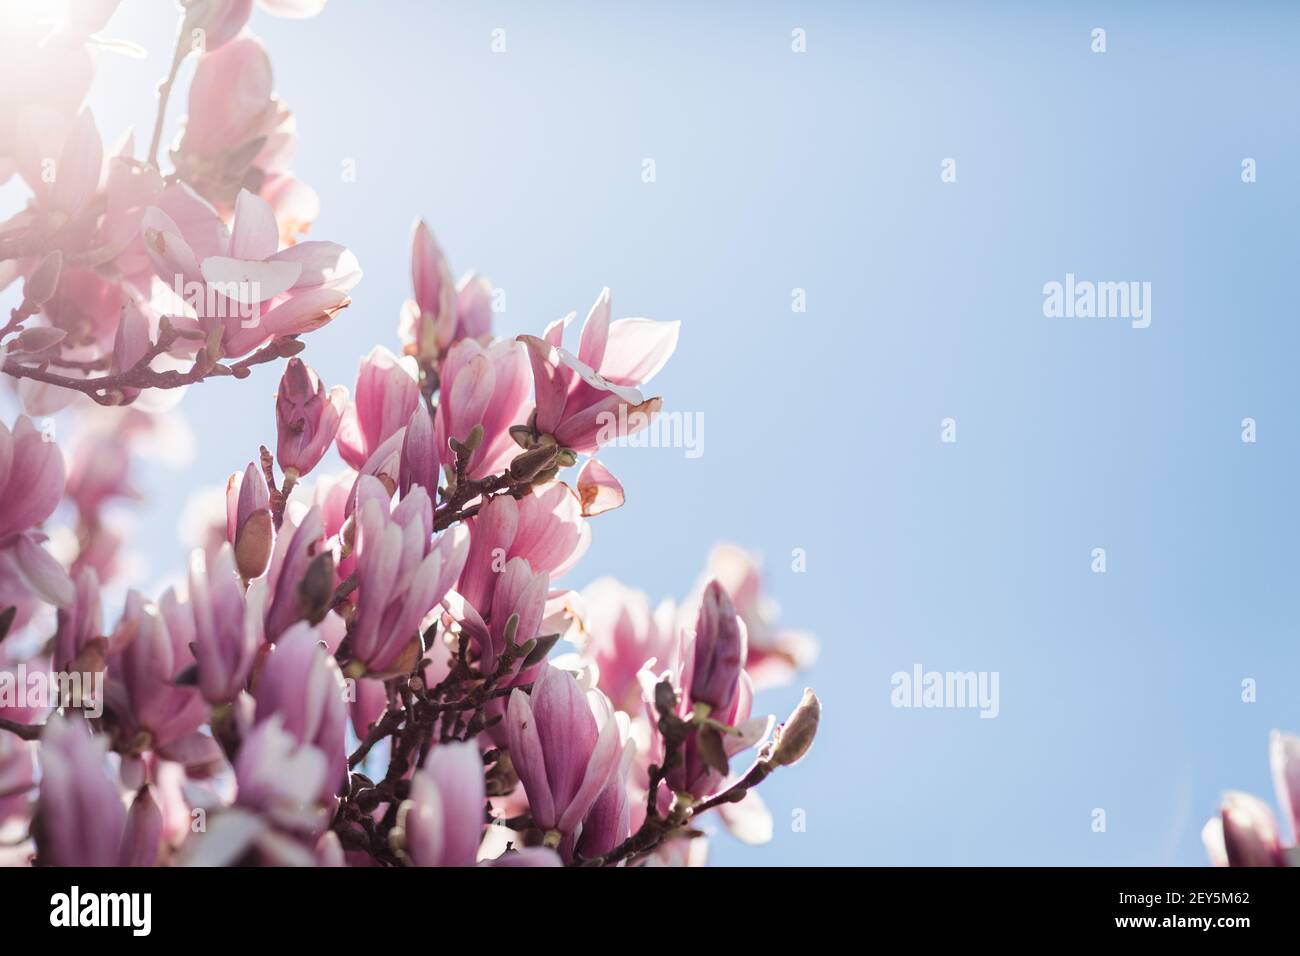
{"x": 820, "y": 171}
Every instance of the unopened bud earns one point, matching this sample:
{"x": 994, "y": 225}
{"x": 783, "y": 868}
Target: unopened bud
{"x": 796, "y": 735}
{"x": 529, "y": 464}
{"x": 253, "y": 543}
{"x": 316, "y": 589}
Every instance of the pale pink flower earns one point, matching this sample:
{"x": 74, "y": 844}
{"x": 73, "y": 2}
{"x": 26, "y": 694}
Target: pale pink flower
{"x": 485, "y": 386}
{"x": 440, "y": 315}
{"x": 386, "y": 395}
{"x": 247, "y": 289}
{"x": 301, "y": 683}
{"x": 622, "y": 636}
{"x": 227, "y": 624}
{"x": 545, "y": 527}
{"x": 442, "y": 822}
{"x": 590, "y": 399}
{"x": 238, "y": 133}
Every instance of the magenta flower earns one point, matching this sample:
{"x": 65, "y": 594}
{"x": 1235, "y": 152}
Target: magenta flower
{"x": 718, "y": 652}
{"x": 774, "y": 653}
{"x": 80, "y": 815}
{"x": 306, "y": 417}
{"x": 238, "y": 286}
{"x": 301, "y": 683}
{"x": 401, "y": 574}
{"x": 442, "y": 822}
{"x": 590, "y": 399}
{"x": 419, "y": 465}
{"x": 564, "y": 758}
{"x": 227, "y": 625}
{"x": 387, "y": 393}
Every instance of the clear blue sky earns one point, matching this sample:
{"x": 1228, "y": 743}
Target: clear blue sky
{"x": 821, "y": 171}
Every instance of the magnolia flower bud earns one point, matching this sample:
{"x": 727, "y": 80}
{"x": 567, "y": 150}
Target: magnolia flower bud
{"x": 795, "y": 736}
{"x": 248, "y": 521}
{"x": 306, "y": 417}
{"x": 719, "y": 650}
{"x": 530, "y": 464}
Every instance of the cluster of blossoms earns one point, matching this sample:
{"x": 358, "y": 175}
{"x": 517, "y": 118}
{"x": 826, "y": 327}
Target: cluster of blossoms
{"x": 369, "y": 667}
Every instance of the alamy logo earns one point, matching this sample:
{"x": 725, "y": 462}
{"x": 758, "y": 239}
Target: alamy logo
{"x": 946, "y": 689}
{"x": 132, "y": 910}
{"x": 1082, "y": 299}
{"x": 222, "y": 299}
{"x": 42, "y": 689}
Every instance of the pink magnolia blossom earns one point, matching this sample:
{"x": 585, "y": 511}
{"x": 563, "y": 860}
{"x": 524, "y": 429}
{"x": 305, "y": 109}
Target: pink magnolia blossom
{"x": 775, "y": 654}
{"x": 238, "y": 133}
{"x": 401, "y": 574}
{"x": 564, "y": 758}
{"x": 587, "y": 400}
{"x": 296, "y": 546}
{"x": 622, "y": 636}
{"x": 31, "y": 478}
{"x": 441, "y": 315}
{"x": 387, "y": 393}
{"x": 246, "y": 292}
{"x": 277, "y": 816}
{"x": 154, "y": 641}
{"x": 227, "y": 624}
{"x": 301, "y": 683}
{"x": 139, "y": 274}
{"x": 79, "y": 642}
{"x": 718, "y": 651}
{"x": 442, "y": 822}
{"x": 80, "y": 815}
{"x": 483, "y": 386}
{"x": 545, "y": 527}
{"x": 142, "y": 838}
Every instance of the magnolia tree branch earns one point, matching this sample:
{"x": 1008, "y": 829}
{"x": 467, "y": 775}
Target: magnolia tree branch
{"x": 112, "y": 389}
